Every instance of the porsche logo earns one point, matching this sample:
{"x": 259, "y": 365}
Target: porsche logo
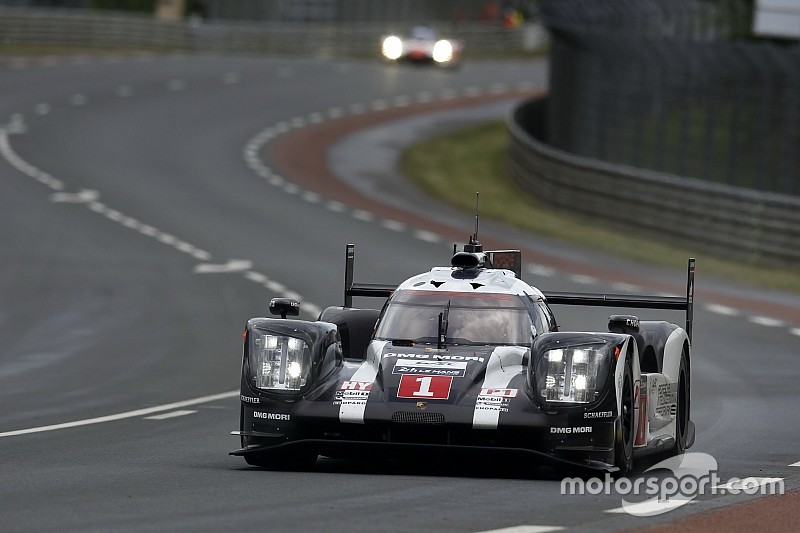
{"x": 422, "y": 406}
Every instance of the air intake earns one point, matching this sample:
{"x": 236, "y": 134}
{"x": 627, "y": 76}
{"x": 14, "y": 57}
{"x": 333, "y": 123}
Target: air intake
{"x": 413, "y": 417}
{"x": 465, "y": 260}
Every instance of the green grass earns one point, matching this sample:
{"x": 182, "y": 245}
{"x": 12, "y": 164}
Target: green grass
{"x": 452, "y": 167}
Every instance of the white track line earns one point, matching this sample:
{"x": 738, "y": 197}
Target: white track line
{"x": 525, "y": 529}
{"x": 766, "y": 321}
{"x": 127, "y": 414}
{"x": 722, "y": 310}
{"x": 173, "y": 414}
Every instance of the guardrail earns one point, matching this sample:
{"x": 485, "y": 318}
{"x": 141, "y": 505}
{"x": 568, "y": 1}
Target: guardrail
{"x": 75, "y": 28}
{"x": 728, "y": 221}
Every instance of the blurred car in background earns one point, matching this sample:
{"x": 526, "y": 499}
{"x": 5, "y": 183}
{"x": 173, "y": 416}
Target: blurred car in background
{"x": 422, "y": 45}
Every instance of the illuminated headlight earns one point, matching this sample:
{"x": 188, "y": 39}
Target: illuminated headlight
{"x": 392, "y": 48}
{"x": 573, "y": 374}
{"x": 278, "y": 362}
{"x": 442, "y": 51}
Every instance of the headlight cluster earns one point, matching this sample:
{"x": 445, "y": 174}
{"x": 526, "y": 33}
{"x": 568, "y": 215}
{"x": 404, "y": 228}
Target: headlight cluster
{"x": 442, "y": 51}
{"x": 574, "y": 374}
{"x": 278, "y": 362}
{"x": 392, "y": 47}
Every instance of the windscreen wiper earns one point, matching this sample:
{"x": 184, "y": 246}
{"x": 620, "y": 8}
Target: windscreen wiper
{"x": 443, "y": 318}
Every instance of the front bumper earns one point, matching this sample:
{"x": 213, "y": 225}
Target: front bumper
{"x": 533, "y": 443}
{"x": 410, "y": 451}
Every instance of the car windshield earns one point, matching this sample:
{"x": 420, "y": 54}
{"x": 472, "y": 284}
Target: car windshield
{"x": 423, "y": 32}
{"x": 470, "y": 319}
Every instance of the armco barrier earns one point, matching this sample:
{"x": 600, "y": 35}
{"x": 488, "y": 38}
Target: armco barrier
{"x": 728, "y": 221}
{"x": 78, "y": 28}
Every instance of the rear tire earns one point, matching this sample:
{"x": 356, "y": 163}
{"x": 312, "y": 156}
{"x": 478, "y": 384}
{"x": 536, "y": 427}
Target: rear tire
{"x": 623, "y": 442}
{"x": 682, "y": 409}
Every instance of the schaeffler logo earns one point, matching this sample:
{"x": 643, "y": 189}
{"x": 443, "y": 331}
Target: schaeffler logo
{"x": 681, "y": 480}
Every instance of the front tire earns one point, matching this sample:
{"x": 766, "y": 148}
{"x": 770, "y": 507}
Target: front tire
{"x": 623, "y": 442}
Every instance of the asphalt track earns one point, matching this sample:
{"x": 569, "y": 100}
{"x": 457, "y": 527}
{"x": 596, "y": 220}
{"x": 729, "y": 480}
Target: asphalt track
{"x": 148, "y": 211}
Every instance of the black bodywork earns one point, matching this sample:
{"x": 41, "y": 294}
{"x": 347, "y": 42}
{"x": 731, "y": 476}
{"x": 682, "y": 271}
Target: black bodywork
{"x": 290, "y": 428}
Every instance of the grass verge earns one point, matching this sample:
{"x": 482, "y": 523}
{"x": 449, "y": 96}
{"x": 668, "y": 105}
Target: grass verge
{"x": 453, "y": 166}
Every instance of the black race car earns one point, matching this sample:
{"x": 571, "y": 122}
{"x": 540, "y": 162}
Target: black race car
{"x": 466, "y": 360}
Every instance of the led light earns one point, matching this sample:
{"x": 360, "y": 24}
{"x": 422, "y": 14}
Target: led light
{"x": 442, "y": 51}
{"x": 294, "y": 370}
{"x": 294, "y": 344}
{"x": 570, "y": 375}
{"x": 579, "y": 356}
{"x": 278, "y": 362}
{"x": 392, "y": 47}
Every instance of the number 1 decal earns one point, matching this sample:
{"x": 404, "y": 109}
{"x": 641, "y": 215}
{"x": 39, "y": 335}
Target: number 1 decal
{"x": 424, "y": 387}
{"x": 429, "y": 387}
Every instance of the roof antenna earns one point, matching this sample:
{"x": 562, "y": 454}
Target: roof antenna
{"x": 474, "y": 245}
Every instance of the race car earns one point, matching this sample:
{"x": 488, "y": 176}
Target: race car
{"x": 466, "y": 360}
{"x": 422, "y": 45}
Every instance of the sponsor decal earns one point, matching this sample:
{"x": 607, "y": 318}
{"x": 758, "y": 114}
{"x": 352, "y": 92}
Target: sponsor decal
{"x": 435, "y": 357}
{"x": 352, "y": 393}
{"x": 356, "y": 385}
{"x": 667, "y": 400}
{"x": 571, "y": 430}
{"x": 598, "y": 414}
{"x": 249, "y": 399}
{"x": 272, "y": 416}
{"x": 667, "y": 393}
{"x": 424, "y": 387}
{"x": 632, "y": 322}
{"x": 503, "y": 393}
{"x": 456, "y": 369}
{"x": 494, "y": 400}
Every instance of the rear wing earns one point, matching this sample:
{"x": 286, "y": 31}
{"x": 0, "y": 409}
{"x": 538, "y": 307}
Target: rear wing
{"x": 677, "y": 303}
{"x": 512, "y": 260}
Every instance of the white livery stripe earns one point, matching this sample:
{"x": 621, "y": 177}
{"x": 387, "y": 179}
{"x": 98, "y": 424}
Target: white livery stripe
{"x": 504, "y": 363}
{"x": 354, "y": 404}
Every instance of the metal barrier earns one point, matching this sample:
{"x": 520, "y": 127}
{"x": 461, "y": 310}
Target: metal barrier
{"x": 644, "y": 93}
{"x": 729, "y": 221}
{"x": 675, "y": 86}
{"x": 78, "y": 28}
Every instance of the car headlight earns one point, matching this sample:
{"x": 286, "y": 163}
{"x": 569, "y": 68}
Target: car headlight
{"x": 278, "y": 362}
{"x": 392, "y": 47}
{"x": 442, "y": 51}
{"x": 572, "y": 374}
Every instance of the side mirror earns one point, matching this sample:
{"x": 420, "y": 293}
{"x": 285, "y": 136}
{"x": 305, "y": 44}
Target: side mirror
{"x": 284, "y": 307}
{"x": 623, "y": 324}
